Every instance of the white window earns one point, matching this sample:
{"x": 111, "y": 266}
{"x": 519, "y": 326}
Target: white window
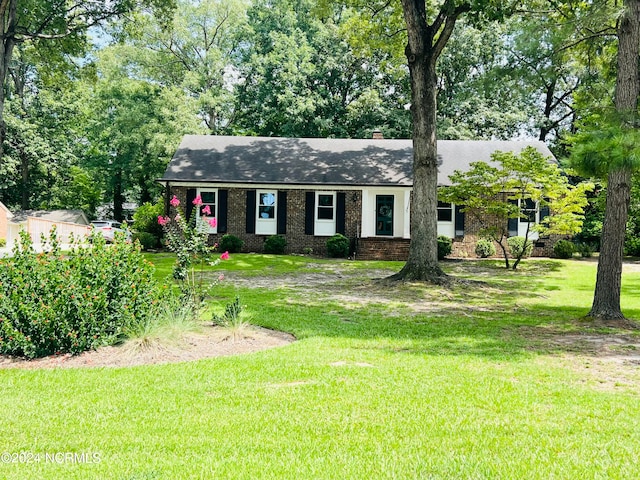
{"x": 267, "y": 206}
{"x": 209, "y": 199}
{"x": 325, "y": 216}
{"x": 530, "y": 216}
{"x": 446, "y": 216}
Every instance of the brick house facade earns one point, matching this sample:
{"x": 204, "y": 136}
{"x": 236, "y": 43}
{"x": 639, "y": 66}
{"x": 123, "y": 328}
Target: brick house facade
{"x": 309, "y": 189}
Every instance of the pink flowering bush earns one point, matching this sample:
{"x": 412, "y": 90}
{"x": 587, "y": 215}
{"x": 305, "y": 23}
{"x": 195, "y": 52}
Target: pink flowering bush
{"x": 189, "y": 241}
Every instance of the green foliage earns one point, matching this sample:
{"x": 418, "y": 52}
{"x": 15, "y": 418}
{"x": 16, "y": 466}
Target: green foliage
{"x": 444, "y": 246}
{"x": 189, "y": 241}
{"x": 519, "y": 247}
{"x": 564, "y": 249}
{"x": 526, "y": 176}
{"x": 3, "y": 242}
{"x": 275, "y": 244}
{"x": 230, "y": 243}
{"x": 585, "y": 249}
{"x": 338, "y": 246}
{"x": 605, "y": 143}
{"x": 287, "y": 41}
{"x": 147, "y": 240}
{"x": 231, "y": 315}
{"x": 485, "y": 248}
{"x": 632, "y": 246}
{"x": 145, "y": 218}
{"x": 53, "y": 303}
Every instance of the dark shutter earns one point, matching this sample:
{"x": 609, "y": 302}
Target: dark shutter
{"x": 459, "y": 221}
{"x": 309, "y": 213}
{"x": 281, "y": 214}
{"x": 191, "y": 195}
{"x": 341, "y": 210}
{"x": 251, "y": 211}
{"x": 544, "y": 212}
{"x": 223, "y": 196}
{"x": 512, "y": 223}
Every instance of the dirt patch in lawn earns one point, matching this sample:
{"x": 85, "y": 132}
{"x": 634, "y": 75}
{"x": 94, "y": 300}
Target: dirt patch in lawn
{"x": 212, "y": 342}
{"x": 605, "y": 361}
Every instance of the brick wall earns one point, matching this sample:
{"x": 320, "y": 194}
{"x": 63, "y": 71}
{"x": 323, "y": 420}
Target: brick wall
{"x": 297, "y": 240}
{"x": 377, "y": 248}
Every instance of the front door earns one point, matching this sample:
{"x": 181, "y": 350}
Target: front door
{"x": 384, "y": 215}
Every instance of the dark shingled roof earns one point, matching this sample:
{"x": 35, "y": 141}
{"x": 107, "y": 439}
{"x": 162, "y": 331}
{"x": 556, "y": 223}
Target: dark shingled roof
{"x": 320, "y": 161}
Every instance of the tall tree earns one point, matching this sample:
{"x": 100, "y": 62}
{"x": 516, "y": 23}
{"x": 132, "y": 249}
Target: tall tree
{"x": 133, "y": 127}
{"x": 60, "y": 21}
{"x": 426, "y": 42}
{"x": 614, "y": 147}
{"x": 301, "y": 77}
{"x": 197, "y": 52}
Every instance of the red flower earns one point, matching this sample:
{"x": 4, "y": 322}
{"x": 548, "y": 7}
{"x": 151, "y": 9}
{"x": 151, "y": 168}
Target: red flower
{"x": 162, "y": 220}
{"x": 197, "y": 200}
{"x": 213, "y": 222}
{"x": 174, "y": 201}
{"x": 224, "y": 256}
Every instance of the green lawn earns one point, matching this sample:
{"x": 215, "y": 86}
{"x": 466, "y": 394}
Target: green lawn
{"x": 490, "y": 381}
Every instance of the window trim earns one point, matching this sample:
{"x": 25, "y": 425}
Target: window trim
{"x": 535, "y": 209}
{"x": 214, "y": 212}
{"x": 324, "y": 227}
{"x": 452, "y": 209}
{"x": 266, "y": 226}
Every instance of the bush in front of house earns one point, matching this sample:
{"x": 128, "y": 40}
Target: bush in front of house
{"x": 338, "y": 246}
{"x": 230, "y": 243}
{"x": 517, "y": 249}
{"x": 485, "y": 248}
{"x": 147, "y": 240}
{"x": 632, "y": 246}
{"x": 52, "y": 303}
{"x": 564, "y": 249}
{"x": 275, "y": 244}
{"x": 145, "y": 219}
{"x": 445, "y": 245}
{"x": 585, "y": 249}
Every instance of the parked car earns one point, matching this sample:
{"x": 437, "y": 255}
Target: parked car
{"x": 108, "y": 228}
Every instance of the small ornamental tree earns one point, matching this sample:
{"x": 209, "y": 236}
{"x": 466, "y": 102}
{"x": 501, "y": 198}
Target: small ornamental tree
{"x": 189, "y": 241}
{"x": 492, "y": 194}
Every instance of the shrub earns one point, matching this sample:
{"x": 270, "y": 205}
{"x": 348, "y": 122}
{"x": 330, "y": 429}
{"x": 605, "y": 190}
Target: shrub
{"x": 275, "y": 244}
{"x": 3, "y": 242}
{"x": 338, "y": 246}
{"x": 632, "y": 246}
{"x": 516, "y": 246}
{"x": 230, "y": 243}
{"x": 485, "y": 248}
{"x": 564, "y": 249}
{"x": 50, "y": 303}
{"x": 147, "y": 240}
{"x": 444, "y": 246}
{"x": 145, "y": 219}
{"x": 585, "y": 249}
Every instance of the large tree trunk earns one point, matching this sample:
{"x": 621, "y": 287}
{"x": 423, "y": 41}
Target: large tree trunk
{"x": 606, "y": 300}
{"x": 423, "y": 251}
{"x": 425, "y": 43}
{"x": 7, "y": 42}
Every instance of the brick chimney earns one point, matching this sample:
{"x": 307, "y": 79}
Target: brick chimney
{"x": 377, "y": 135}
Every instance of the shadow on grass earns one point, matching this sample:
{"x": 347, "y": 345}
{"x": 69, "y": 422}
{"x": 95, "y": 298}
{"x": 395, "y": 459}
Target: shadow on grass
{"x": 506, "y": 315}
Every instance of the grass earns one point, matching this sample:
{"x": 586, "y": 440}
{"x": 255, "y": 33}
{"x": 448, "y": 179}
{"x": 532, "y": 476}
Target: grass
{"x": 386, "y": 381}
